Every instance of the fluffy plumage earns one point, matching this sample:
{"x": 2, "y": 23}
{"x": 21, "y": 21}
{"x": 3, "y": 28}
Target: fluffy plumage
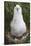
{"x": 18, "y": 26}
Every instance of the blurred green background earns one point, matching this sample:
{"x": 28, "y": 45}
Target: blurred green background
{"x": 8, "y": 13}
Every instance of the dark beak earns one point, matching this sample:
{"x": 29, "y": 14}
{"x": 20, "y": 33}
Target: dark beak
{"x": 17, "y": 9}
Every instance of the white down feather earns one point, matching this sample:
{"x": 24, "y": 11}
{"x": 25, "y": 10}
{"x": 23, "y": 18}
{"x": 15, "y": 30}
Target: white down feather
{"x": 18, "y": 26}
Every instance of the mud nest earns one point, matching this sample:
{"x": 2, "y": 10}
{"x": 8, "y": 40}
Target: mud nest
{"x": 9, "y": 39}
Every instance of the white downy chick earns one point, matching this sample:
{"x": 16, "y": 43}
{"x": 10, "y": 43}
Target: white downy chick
{"x": 18, "y": 26}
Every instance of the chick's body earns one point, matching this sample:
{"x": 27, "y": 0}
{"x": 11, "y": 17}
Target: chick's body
{"x": 18, "y": 26}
